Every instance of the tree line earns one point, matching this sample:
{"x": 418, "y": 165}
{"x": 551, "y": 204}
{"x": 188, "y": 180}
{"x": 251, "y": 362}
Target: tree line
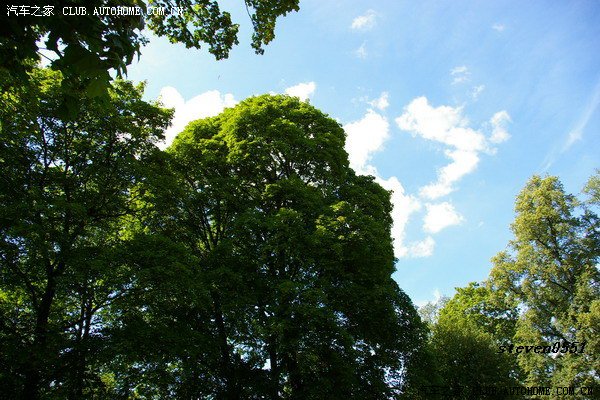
{"x": 247, "y": 260}
{"x": 542, "y": 294}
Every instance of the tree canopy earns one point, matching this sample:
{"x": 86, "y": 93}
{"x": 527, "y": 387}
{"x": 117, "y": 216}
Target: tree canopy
{"x": 297, "y": 252}
{"x": 104, "y": 36}
{"x": 551, "y": 271}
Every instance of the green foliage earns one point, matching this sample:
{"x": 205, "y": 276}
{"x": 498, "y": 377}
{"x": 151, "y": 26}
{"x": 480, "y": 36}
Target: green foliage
{"x": 247, "y": 261}
{"x": 551, "y": 272}
{"x": 214, "y": 27}
{"x": 542, "y": 290}
{"x": 592, "y": 190}
{"x": 478, "y": 304}
{"x": 467, "y": 358}
{"x": 296, "y": 252}
{"x": 464, "y": 343}
{"x": 64, "y": 188}
{"x": 89, "y": 46}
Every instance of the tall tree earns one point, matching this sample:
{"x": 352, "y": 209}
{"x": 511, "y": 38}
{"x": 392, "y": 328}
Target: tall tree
{"x": 64, "y": 188}
{"x": 551, "y": 271}
{"x": 296, "y": 254}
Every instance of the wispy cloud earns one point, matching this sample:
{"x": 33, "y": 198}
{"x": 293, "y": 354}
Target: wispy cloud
{"x": 498, "y": 27}
{"x": 361, "y": 52}
{"x": 460, "y": 74}
{"x": 477, "y": 90}
{"x": 365, "y": 22}
{"x": 499, "y": 132}
{"x": 423, "y": 248}
{"x": 575, "y": 134}
{"x": 302, "y": 90}
{"x": 381, "y": 102}
{"x": 459, "y": 70}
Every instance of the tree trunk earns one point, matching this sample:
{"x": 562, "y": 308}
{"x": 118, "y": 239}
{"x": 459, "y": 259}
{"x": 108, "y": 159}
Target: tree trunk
{"x": 40, "y": 340}
{"x": 232, "y": 390}
{"x": 274, "y": 367}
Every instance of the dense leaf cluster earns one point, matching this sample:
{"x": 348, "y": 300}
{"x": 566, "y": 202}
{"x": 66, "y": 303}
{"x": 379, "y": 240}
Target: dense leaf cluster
{"x": 86, "y": 47}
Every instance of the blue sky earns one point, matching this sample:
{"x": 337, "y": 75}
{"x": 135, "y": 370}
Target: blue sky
{"x": 451, "y": 104}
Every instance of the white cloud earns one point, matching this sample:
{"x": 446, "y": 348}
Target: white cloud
{"x": 205, "y": 105}
{"x": 46, "y": 57}
{"x": 361, "y": 52}
{"x": 382, "y": 102}
{"x": 460, "y": 79}
{"x": 463, "y": 163}
{"x": 302, "y": 90}
{"x": 365, "y": 22}
{"x": 498, "y": 27}
{"x": 423, "y": 248}
{"x": 460, "y": 74}
{"x": 404, "y": 205}
{"x": 443, "y": 124}
{"x": 499, "y": 132}
{"x": 440, "y": 216}
{"x": 365, "y": 137}
{"x": 447, "y": 125}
